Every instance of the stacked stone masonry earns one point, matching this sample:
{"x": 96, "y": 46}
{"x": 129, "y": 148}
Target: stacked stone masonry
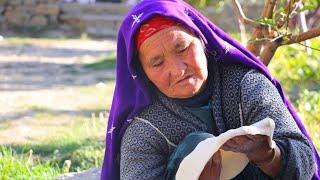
{"x": 98, "y": 19}
{"x": 29, "y": 13}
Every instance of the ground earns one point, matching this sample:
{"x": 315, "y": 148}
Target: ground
{"x": 47, "y": 75}
{"x": 55, "y": 98}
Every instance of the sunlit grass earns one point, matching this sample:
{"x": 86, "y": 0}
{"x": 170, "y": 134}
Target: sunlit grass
{"x": 25, "y": 166}
{"x": 77, "y": 139}
{"x": 107, "y": 62}
{"x": 63, "y": 141}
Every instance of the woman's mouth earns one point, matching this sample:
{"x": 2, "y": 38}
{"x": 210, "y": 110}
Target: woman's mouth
{"x": 183, "y": 80}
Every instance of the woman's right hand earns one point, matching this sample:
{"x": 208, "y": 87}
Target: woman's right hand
{"x": 212, "y": 169}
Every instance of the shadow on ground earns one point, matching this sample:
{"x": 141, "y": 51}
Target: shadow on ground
{"x": 31, "y": 112}
{"x": 45, "y": 64}
{"x": 56, "y": 52}
{"x": 15, "y": 76}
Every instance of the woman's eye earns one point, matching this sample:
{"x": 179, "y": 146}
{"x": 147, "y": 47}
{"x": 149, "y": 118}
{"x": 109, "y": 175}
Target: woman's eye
{"x": 183, "y": 49}
{"x": 157, "y": 64}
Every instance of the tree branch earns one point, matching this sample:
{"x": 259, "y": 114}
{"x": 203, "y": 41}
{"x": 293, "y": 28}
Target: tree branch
{"x": 241, "y": 16}
{"x": 255, "y": 46}
{"x": 311, "y": 33}
{"x": 269, "y": 8}
{"x": 268, "y": 52}
{"x": 259, "y": 30}
{"x": 289, "y": 7}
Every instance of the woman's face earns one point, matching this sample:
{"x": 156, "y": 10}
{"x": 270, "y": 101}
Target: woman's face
{"x": 175, "y": 62}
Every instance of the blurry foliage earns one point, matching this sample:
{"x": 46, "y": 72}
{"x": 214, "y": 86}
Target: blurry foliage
{"x": 280, "y": 14}
{"x": 217, "y": 4}
{"x": 308, "y": 106}
{"x": 299, "y": 76}
{"x": 295, "y": 69}
{"x": 310, "y": 4}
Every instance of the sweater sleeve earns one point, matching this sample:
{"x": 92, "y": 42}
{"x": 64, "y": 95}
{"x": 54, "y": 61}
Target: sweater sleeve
{"x": 260, "y": 99}
{"x": 143, "y": 152}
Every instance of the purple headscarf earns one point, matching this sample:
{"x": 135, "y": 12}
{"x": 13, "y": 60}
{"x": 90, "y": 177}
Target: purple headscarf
{"x": 131, "y": 94}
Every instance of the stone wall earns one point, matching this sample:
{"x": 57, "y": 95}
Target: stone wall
{"x": 95, "y": 19}
{"x": 29, "y": 13}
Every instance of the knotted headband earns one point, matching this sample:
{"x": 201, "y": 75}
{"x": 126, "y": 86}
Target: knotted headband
{"x": 154, "y": 25}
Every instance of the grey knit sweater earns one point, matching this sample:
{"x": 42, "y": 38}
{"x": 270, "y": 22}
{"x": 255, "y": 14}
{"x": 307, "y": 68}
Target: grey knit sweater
{"x": 240, "y": 97}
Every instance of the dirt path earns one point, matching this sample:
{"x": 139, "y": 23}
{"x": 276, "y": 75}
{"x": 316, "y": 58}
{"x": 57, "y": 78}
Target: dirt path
{"x": 47, "y": 74}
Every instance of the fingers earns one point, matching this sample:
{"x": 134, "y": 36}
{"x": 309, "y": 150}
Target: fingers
{"x": 237, "y": 144}
{"x": 257, "y": 137}
{"x": 216, "y": 158}
{"x": 242, "y": 139}
{"x": 212, "y": 169}
{"x": 246, "y": 143}
{"x": 251, "y": 137}
{"x": 230, "y": 145}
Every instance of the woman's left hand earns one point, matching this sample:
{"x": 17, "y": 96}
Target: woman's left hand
{"x": 256, "y": 147}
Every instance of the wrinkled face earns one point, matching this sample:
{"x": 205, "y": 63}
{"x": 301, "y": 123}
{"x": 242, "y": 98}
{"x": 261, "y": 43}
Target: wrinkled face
{"x": 174, "y": 61}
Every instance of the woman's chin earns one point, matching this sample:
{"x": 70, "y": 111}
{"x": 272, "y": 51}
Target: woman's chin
{"x": 185, "y": 93}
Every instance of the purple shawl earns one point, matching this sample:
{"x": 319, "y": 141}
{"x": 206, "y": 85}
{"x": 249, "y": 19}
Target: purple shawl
{"x": 131, "y": 94}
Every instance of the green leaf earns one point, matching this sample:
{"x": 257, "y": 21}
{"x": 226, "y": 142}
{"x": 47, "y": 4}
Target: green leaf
{"x": 310, "y": 4}
{"x": 308, "y": 7}
{"x": 279, "y": 11}
{"x": 266, "y": 21}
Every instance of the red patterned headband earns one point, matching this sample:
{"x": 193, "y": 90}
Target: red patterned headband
{"x": 154, "y": 25}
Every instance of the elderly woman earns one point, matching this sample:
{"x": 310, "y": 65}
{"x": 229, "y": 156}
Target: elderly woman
{"x": 178, "y": 73}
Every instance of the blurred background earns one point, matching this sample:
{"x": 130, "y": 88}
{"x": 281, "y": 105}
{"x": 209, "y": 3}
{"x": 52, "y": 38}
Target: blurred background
{"x": 57, "y": 60}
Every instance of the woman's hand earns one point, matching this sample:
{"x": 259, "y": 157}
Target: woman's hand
{"x": 256, "y": 147}
{"x": 258, "y": 151}
{"x": 212, "y": 169}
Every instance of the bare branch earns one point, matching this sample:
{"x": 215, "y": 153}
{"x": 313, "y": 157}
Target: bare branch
{"x": 311, "y": 33}
{"x": 305, "y": 29}
{"x": 268, "y": 8}
{"x": 241, "y": 16}
{"x": 243, "y": 35}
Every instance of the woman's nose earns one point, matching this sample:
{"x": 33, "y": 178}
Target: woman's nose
{"x": 177, "y": 67}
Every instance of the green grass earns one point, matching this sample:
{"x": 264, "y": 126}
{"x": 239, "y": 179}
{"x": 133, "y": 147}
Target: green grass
{"x": 24, "y": 166}
{"x": 79, "y": 142}
{"x": 64, "y": 141}
{"x": 107, "y": 62}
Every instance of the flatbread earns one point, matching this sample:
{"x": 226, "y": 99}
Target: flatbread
{"x": 232, "y": 163}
